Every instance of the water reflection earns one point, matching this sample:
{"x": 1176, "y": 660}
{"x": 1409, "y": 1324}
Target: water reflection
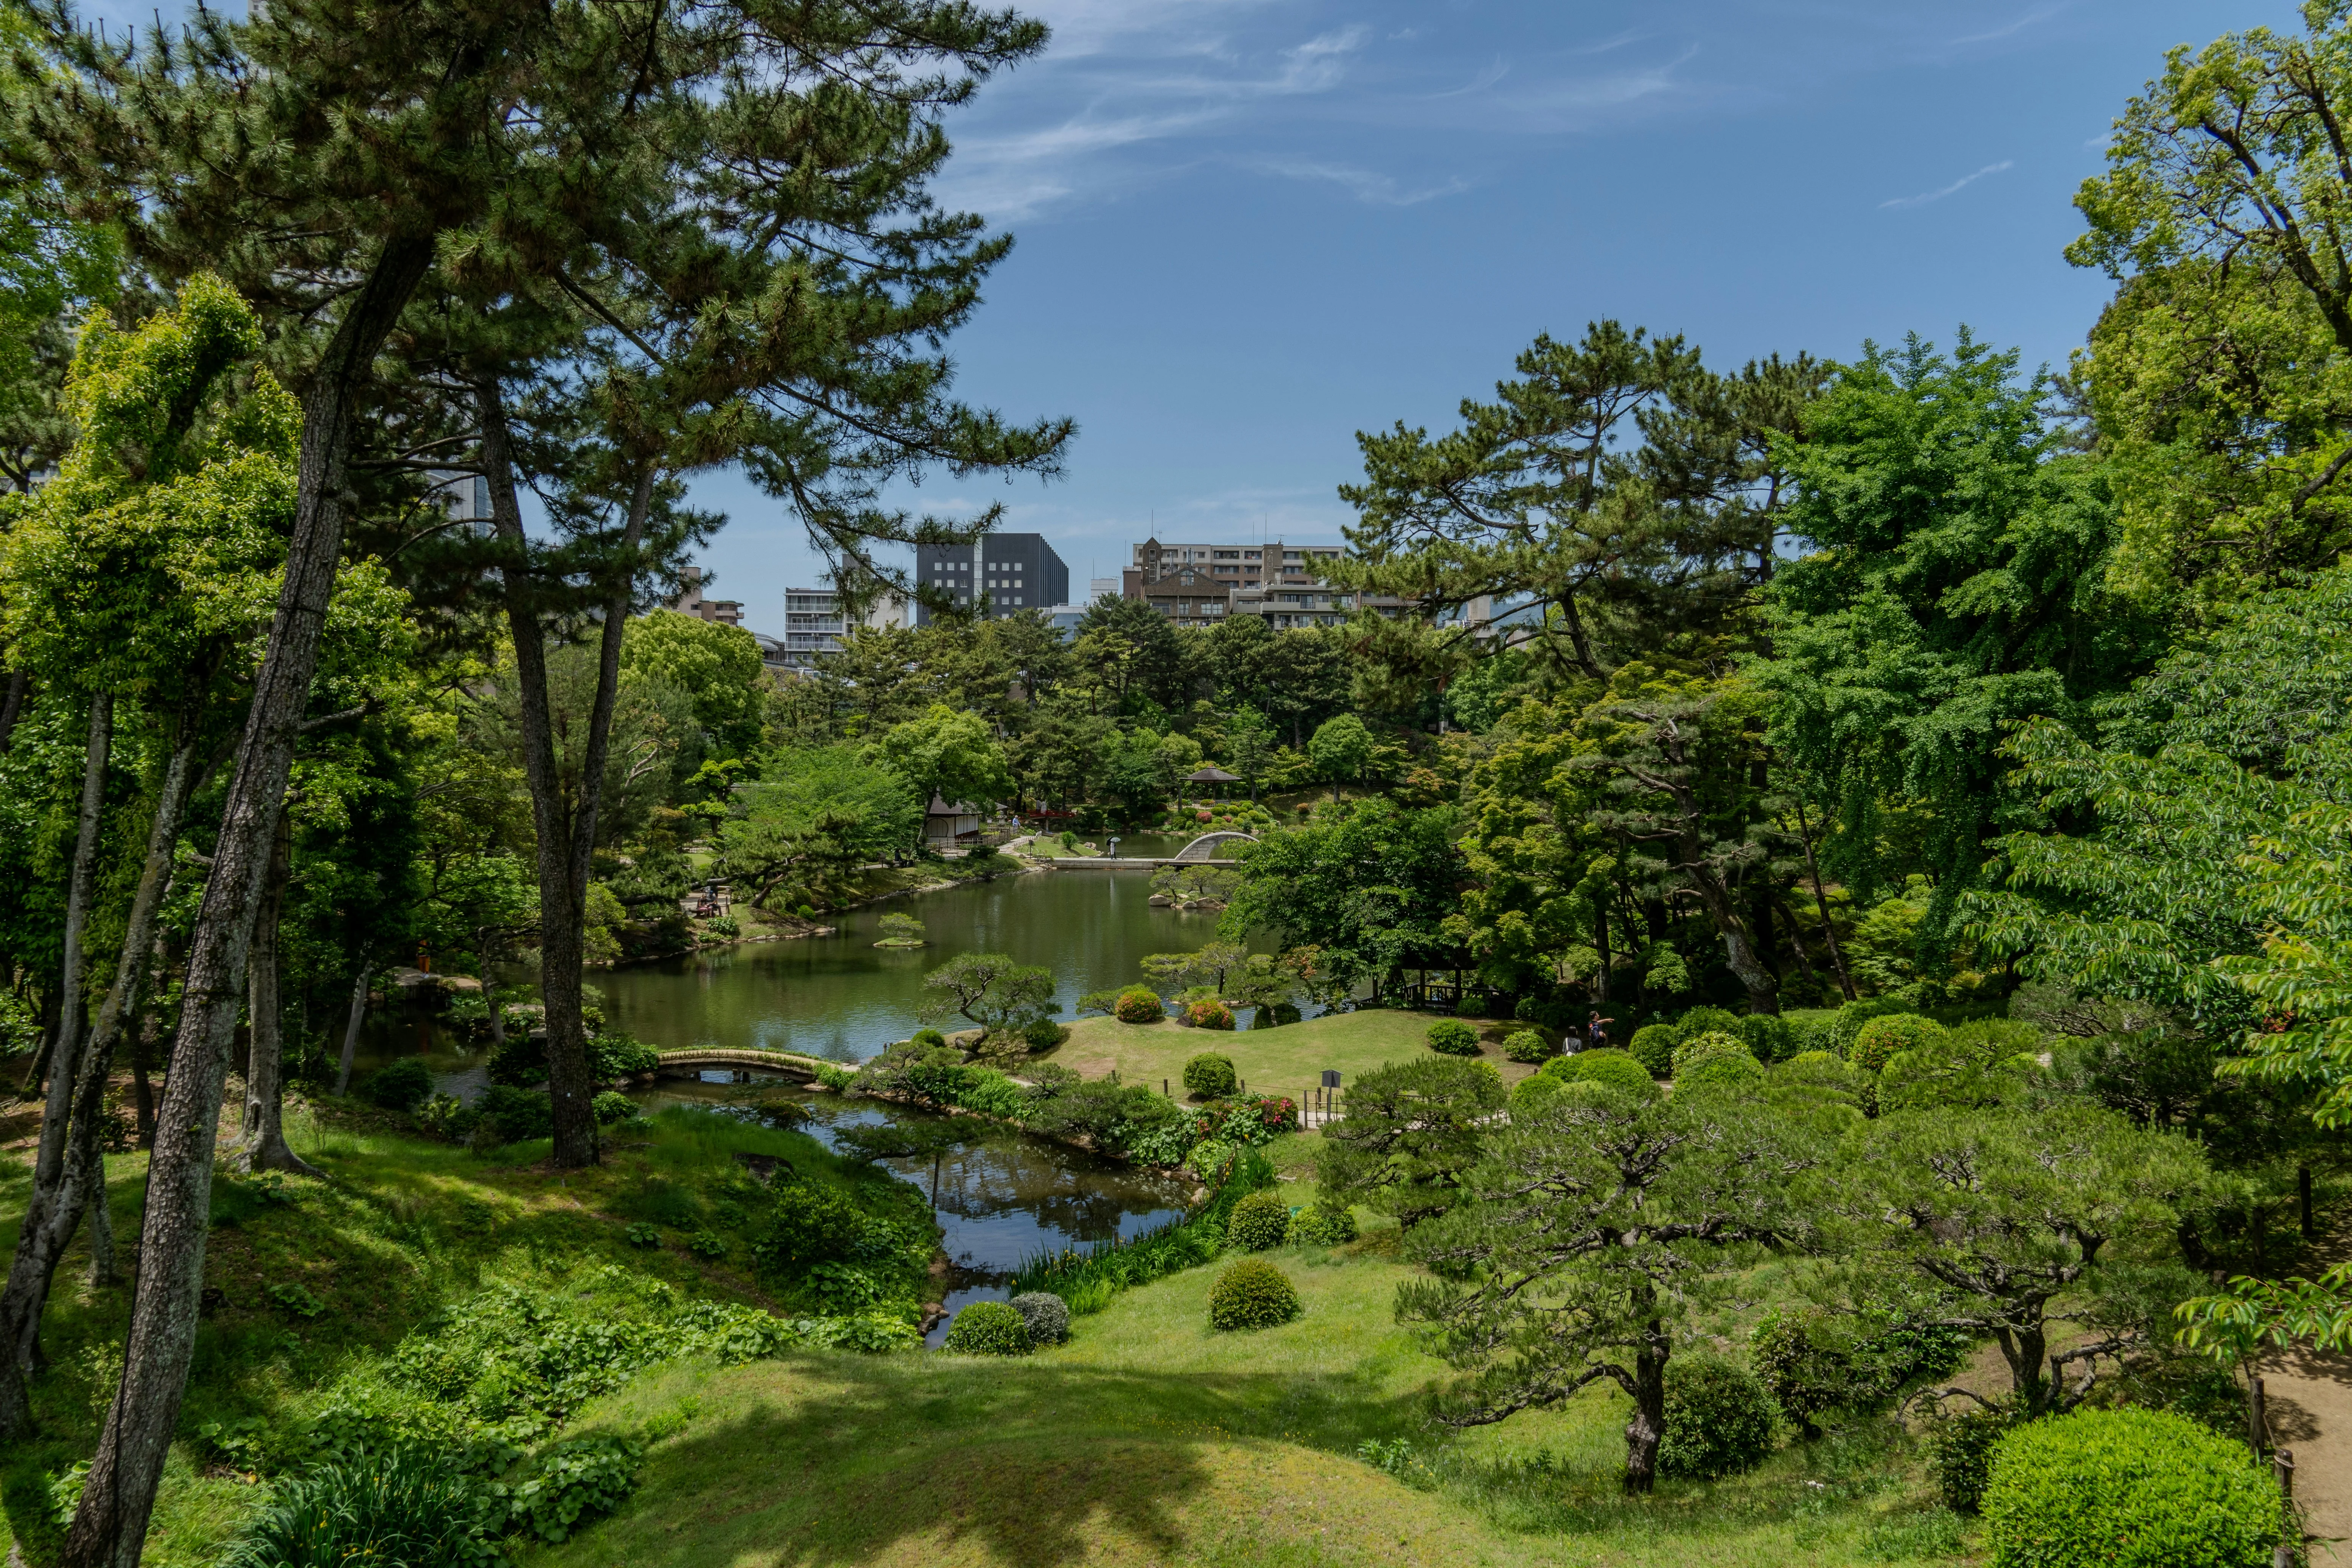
{"x": 1001, "y": 1197}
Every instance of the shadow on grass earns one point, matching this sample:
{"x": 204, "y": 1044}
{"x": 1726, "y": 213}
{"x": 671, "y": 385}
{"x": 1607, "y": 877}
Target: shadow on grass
{"x": 819, "y": 1461}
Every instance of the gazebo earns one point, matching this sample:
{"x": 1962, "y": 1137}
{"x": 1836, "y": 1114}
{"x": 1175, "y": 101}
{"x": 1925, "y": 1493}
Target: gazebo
{"x": 1211, "y": 775}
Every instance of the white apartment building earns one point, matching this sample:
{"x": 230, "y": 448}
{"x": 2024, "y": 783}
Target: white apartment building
{"x": 815, "y": 622}
{"x": 1196, "y": 585}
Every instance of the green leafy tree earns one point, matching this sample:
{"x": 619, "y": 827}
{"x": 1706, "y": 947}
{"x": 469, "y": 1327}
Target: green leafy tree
{"x": 1340, "y": 751}
{"x": 1412, "y": 1132}
{"x": 716, "y": 666}
{"x": 991, "y": 991}
{"x": 1595, "y": 1222}
{"x": 1249, "y": 746}
{"x": 948, "y": 755}
{"x": 1371, "y": 885}
{"x": 815, "y": 815}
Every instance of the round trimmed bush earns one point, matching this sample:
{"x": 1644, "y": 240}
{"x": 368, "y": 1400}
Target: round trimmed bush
{"x": 1616, "y": 1069}
{"x": 1252, "y": 1294}
{"x": 1654, "y": 1046}
{"x": 1877, "y": 1042}
{"x": 988, "y": 1328}
{"x": 928, "y": 1039}
{"x": 1323, "y": 1225}
{"x": 403, "y": 1086}
{"x": 1209, "y": 1076}
{"x": 1535, "y": 1092}
{"x": 1696, "y": 1049}
{"x": 2128, "y": 1488}
{"x": 1044, "y": 1034}
{"x": 1848, "y": 1020}
{"x": 1721, "y": 1070}
{"x": 1706, "y": 1021}
{"x": 1719, "y": 1419}
{"x": 1209, "y": 1013}
{"x": 1259, "y": 1221}
{"x": 1139, "y": 1004}
{"x": 612, "y": 1106}
{"x": 1527, "y": 1046}
{"x": 1453, "y": 1038}
{"x": 1047, "y": 1315}
{"x": 1768, "y": 1038}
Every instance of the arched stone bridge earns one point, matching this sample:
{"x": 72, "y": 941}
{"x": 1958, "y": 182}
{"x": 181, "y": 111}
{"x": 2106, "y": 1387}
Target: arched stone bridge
{"x": 1207, "y": 846}
{"x": 792, "y": 1063}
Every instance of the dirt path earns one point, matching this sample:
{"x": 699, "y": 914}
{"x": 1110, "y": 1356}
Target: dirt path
{"x": 2309, "y": 1401}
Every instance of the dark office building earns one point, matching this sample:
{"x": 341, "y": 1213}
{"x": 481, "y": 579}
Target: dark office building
{"x": 1011, "y": 570}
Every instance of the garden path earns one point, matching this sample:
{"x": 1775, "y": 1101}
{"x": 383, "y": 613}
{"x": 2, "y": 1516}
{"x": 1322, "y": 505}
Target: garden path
{"x": 2308, "y": 1400}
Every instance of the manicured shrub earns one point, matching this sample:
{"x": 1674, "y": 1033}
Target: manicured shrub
{"x": 1047, "y": 1315}
{"x": 807, "y": 1225}
{"x": 1721, "y": 1070}
{"x": 1211, "y": 1076}
{"x": 1209, "y": 1013}
{"x": 521, "y": 1060}
{"x": 1877, "y": 1041}
{"x": 612, "y": 1106}
{"x": 1322, "y": 1224}
{"x": 1848, "y": 1020}
{"x": 1260, "y": 1220}
{"x": 1276, "y": 1017}
{"x": 1768, "y": 1038}
{"x": 403, "y": 1086}
{"x": 1719, "y": 1419}
{"x": 519, "y": 1113}
{"x": 1706, "y": 1021}
{"x": 2147, "y": 1488}
{"x": 988, "y": 1328}
{"x": 614, "y": 1054}
{"x": 1653, "y": 1045}
{"x": 1618, "y": 1069}
{"x": 1044, "y": 1034}
{"x": 1527, "y": 1046}
{"x": 1535, "y": 1092}
{"x": 1694, "y": 1048}
{"x": 1139, "y": 1004}
{"x": 928, "y": 1038}
{"x": 1252, "y": 1294}
{"x": 1453, "y": 1038}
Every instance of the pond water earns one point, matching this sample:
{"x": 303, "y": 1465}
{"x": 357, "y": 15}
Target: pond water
{"x": 998, "y": 1200}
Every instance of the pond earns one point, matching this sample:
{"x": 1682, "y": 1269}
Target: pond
{"x": 998, "y": 1199}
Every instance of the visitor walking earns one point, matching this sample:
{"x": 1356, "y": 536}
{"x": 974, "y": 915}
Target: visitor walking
{"x": 1596, "y": 1031}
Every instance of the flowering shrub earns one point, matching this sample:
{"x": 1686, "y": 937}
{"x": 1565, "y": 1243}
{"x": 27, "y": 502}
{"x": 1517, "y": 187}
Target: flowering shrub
{"x": 1138, "y": 1005}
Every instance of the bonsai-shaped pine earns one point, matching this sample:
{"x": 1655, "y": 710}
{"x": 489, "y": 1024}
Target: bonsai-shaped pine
{"x": 1596, "y": 1222}
{"x": 901, "y": 930}
{"x": 990, "y": 990}
{"x": 1412, "y": 1134}
{"x": 1214, "y": 966}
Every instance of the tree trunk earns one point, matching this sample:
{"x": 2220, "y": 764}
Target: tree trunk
{"x": 265, "y": 1147}
{"x": 1822, "y": 903}
{"x": 11, "y": 706}
{"x": 103, "y": 1268}
{"x": 118, "y": 1496}
{"x": 567, "y": 838}
{"x": 351, "y": 1029}
{"x": 1649, "y": 1422}
{"x": 1600, "y": 946}
{"x": 50, "y": 1219}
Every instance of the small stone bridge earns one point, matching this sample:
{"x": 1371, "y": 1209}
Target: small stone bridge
{"x": 1207, "y": 847}
{"x": 680, "y": 1064}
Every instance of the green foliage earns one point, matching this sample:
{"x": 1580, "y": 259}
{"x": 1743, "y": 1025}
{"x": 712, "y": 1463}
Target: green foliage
{"x": 1259, "y": 1221}
{"x": 988, "y": 1328}
{"x": 1139, "y": 1004}
{"x": 1412, "y": 1132}
{"x": 1811, "y": 1360}
{"x": 928, "y": 1038}
{"x": 707, "y": 1245}
{"x": 1451, "y": 1036}
{"x": 1044, "y": 1034}
{"x": 1719, "y": 1419}
{"x": 2139, "y": 1487}
{"x": 1734, "y": 1070}
{"x": 1769, "y": 1038}
{"x": 1616, "y": 1069}
{"x": 1653, "y": 1045}
{"x": 991, "y": 991}
{"x": 580, "y": 1479}
{"x": 1961, "y": 1448}
{"x": 1990, "y": 1062}
{"x": 614, "y": 1054}
{"x": 518, "y": 1114}
{"x": 644, "y": 1235}
{"x": 1210, "y": 1077}
{"x": 1047, "y": 1315}
{"x": 1322, "y": 1224}
{"x": 1369, "y": 885}
{"x": 1696, "y": 1049}
{"x": 1850, "y": 1019}
{"x": 612, "y": 1108}
{"x": 1089, "y": 1279}
{"x": 1208, "y": 1013}
{"x": 716, "y": 664}
{"x": 945, "y": 753}
{"x": 1877, "y": 1041}
{"x": 1700, "y": 1021}
{"x": 1252, "y": 1293}
{"x": 402, "y": 1085}
{"x": 521, "y": 1060}
{"x": 402, "y": 1506}
{"x": 1527, "y": 1046}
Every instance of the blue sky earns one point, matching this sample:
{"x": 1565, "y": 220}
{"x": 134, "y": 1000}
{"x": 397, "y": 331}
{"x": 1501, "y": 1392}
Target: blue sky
{"x": 1248, "y": 228}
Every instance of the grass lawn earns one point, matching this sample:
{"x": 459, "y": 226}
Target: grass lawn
{"x": 1151, "y": 1439}
{"x": 1286, "y": 1060}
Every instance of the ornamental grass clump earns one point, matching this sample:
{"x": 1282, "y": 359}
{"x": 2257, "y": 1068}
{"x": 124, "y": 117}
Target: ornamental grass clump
{"x": 1260, "y": 1221}
{"x": 2128, "y": 1488}
{"x": 1252, "y": 1294}
{"x": 1453, "y": 1038}
{"x": 988, "y": 1328}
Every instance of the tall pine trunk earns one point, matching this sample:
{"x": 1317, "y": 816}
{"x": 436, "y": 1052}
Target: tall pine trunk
{"x": 11, "y": 706}
{"x": 1822, "y": 903}
{"x": 1649, "y": 1423}
{"x": 265, "y": 1147}
{"x": 566, "y": 829}
{"x": 48, "y": 1223}
{"x": 110, "y": 1527}
{"x": 351, "y": 1023}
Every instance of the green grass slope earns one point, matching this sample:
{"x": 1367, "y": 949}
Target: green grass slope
{"x": 1288, "y": 1060}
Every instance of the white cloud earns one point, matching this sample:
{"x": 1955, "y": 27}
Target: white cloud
{"x": 1924, "y": 198}
{"x": 1380, "y": 190}
{"x": 2011, "y": 29}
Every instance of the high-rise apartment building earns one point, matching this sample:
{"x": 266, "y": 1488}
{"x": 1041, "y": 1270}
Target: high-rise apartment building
{"x": 690, "y": 601}
{"x": 815, "y": 622}
{"x": 1196, "y": 585}
{"x": 1007, "y": 572}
